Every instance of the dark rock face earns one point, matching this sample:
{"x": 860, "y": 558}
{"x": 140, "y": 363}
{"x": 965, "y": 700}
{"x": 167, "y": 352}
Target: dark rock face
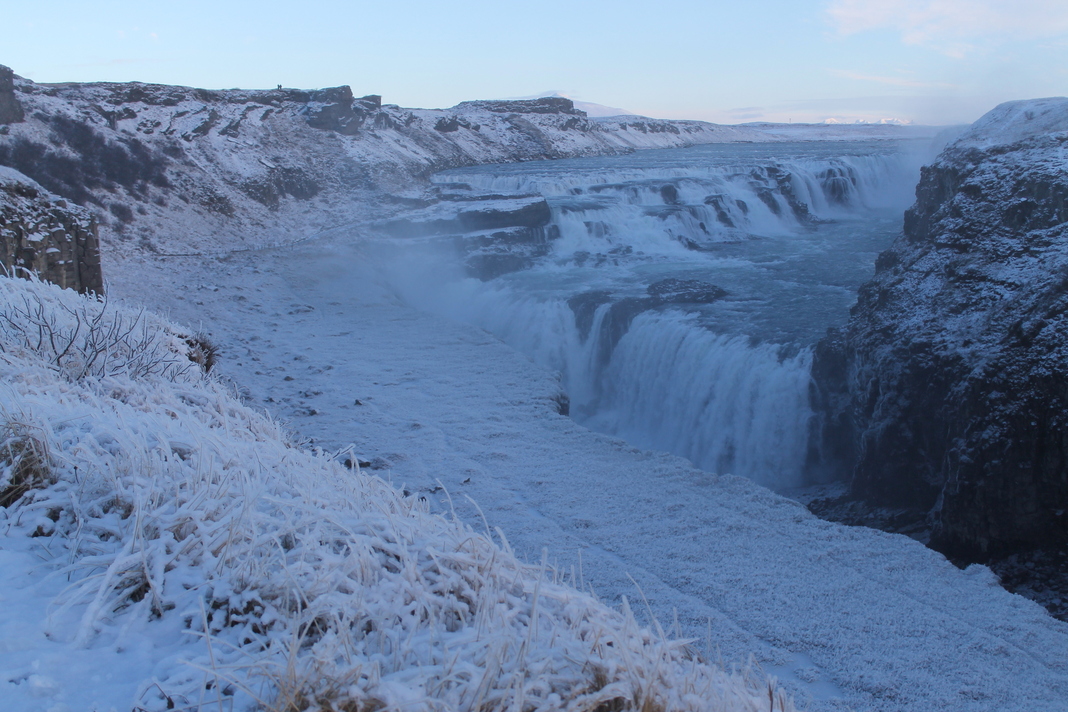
{"x": 335, "y": 109}
{"x": 44, "y": 235}
{"x": 470, "y": 216}
{"x": 770, "y": 182}
{"x": 544, "y": 105}
{"x": 447, "y": 125}
{"x": 584, "y": 306}
{"x": 838, "y": 184}
{"x": 947, "y": 392}
{"x": 10, "y": 108}
{"x": 646, "y": 127}
{"x": 719, "y": 203}
{"x": 454, "y": 123}
{"x": 278, "y": 183}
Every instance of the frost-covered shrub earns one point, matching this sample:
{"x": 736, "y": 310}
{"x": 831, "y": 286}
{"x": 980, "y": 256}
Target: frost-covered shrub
{"x": 295, "y": 583}
{"x": 83, "y": 337}
{"x": 81, "y": 160}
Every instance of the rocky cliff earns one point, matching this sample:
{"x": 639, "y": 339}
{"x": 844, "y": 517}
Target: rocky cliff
{"x": 10, "y": 108}
{"x": 175, "y": 169}
{"x": 44, "y": 235}
{"x": 947, "y": 393}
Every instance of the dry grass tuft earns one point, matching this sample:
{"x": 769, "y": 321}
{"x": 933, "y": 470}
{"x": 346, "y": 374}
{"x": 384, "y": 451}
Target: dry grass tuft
{"x": 203, "y": 352}
{"x": 25, "y": 463}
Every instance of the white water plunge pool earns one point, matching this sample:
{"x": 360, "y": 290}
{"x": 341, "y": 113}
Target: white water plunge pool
{"x": 679, "y": 292}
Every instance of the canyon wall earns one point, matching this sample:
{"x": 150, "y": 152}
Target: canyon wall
{"x": 947, "y": 392}
{"x": 171, "y": 169}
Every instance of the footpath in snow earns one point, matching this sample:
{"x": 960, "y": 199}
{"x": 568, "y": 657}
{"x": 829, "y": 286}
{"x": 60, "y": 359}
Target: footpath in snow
{"x": 846, "y": 618}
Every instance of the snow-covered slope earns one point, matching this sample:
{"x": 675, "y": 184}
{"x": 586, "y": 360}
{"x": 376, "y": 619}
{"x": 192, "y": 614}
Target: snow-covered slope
{"x": 846, "y": 618}
{"x": 163, "y": 546}
{"x": 231, "y": 169}
{"x": 241, "y": 168}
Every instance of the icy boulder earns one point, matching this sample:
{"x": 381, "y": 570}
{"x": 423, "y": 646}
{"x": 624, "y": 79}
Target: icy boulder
{"x": 946, "y": 392}
{"x": 492, "y": 234}
{"x": 456, "y": 217}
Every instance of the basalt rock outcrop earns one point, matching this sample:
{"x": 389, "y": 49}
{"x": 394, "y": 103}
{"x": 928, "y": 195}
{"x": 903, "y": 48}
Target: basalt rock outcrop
{"x": 10, "y": 107}
{"x": 543, "y": 105}
{"x": 947, "y": 392}
{"x": 45, "y": 236}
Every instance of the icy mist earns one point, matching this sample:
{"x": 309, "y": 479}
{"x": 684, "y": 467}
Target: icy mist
{"x": 682, "y": 290}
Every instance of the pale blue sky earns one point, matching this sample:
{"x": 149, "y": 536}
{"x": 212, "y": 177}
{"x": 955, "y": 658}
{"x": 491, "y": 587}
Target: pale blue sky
{"x": 930, "y": 61}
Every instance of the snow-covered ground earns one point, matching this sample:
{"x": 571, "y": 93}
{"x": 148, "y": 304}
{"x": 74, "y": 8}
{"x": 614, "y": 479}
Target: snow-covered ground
{"x": 165, "y": 547}
{"x": 847, "y": 618}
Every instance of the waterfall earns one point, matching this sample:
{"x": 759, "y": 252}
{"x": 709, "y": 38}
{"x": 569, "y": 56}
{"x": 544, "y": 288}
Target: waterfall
{"x": 717, "y": 375}
{"x": 666, "y": 383}
{"x": 727, "y": 405}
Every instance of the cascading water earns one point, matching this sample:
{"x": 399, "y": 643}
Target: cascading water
{"x": 684, "y": 288}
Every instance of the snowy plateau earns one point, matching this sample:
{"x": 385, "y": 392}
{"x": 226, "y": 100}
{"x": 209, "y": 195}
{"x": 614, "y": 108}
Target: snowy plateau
{"x": 268, "y": 472}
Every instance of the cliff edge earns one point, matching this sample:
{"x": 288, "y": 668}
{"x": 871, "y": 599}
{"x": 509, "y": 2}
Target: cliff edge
{"x": 44, "y": 235}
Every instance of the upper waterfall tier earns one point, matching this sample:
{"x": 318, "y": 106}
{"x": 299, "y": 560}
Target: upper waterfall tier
{"x": 669, "y": 201}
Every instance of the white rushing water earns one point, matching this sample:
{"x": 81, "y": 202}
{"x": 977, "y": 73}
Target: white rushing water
{"x": 787, "y": 231}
